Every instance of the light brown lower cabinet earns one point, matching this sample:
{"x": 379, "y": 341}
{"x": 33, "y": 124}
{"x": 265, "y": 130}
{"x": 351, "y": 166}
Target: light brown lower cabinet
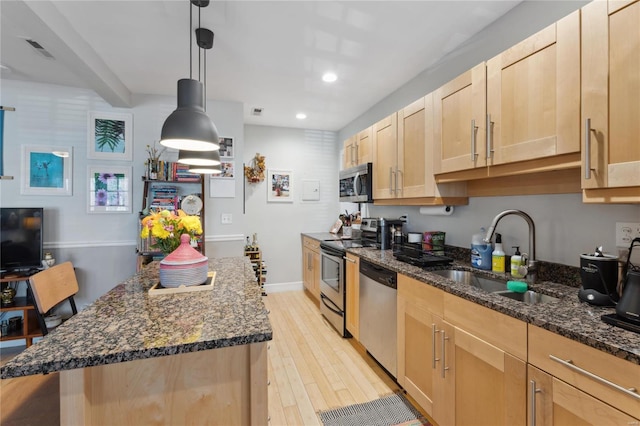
{"x": 456, "y": 374}
{"x": 311, "y": 266}
{"x": 554, "y": 402}
{"x": 353, "y": 295}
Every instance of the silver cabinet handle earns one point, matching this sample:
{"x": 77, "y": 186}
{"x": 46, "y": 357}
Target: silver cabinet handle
{"x": 442, "y": 352}
{"x": 434, "y": 330}
{"x": 348, "y": 260}
{"x": 587, "y": 148}
{"x": 356, "y": 159}
{"x": 398, "y": 172}
{"x": 391, "y": 173}
{"x": 489, "y": 141}
{"x": 532, "y": 402}
{"x": 473, "y": 139}
{"x": 632, "y": 392}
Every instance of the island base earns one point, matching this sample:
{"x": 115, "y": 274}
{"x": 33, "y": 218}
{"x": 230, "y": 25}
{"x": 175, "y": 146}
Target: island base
{"x": 225, "y": 386}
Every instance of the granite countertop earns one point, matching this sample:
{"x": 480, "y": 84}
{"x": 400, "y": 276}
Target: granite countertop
{"x": 567, "y": 317}
{"x": 127, "y": 323}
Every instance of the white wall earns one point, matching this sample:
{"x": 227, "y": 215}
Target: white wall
{"x": 101, "y": 246}
{"x": 310, "y": 155}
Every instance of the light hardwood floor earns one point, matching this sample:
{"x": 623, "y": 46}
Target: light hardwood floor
{"x": 311, "y": 368}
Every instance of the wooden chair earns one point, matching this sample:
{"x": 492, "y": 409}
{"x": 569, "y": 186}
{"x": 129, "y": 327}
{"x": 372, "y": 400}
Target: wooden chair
{"x": 52, "y": 286}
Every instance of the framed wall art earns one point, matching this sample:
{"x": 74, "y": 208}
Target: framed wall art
{"x": 109, "y": 189}
{"x": 280, "y": 186}
{"x": 46, "y": 170}
{"x": 110, "y": 136}
{"x": 226, "y": 147}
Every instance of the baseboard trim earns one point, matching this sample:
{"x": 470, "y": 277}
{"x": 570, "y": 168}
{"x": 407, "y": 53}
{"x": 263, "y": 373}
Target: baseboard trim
{"x": 282, "y": 287}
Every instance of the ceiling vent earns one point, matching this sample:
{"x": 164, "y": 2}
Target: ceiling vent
{"x": 257, "y": 111}
{"x": 38, "y": 48}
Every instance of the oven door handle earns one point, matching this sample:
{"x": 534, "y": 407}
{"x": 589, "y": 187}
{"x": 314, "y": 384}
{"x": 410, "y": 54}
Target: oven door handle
{"x": 333, "y": 308}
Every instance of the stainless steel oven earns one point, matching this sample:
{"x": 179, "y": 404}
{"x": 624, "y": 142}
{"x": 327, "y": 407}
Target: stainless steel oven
{"x": 332, "y": 285}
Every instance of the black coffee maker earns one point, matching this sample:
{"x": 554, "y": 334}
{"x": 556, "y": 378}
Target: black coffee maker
{"x": 599, "y": 274}
{"x": 628, "y": 308}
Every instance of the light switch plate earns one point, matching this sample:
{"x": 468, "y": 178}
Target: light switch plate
{"x": 226, "y": 218}
{"x": 626, "y": 232}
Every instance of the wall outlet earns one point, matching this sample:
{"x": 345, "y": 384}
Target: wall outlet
{"x": 626, "y": 232}
{"x": 226, "y": 218}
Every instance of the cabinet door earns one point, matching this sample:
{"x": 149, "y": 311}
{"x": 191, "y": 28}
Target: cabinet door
{"x": 315, "y": 275}
{"x": 353, "y": 295}
{"x": 554, "y": 402}
{"x": 459, "y": 122}
{"x": 533, "y": 96}
{"x": 363, "y": 146}
{"x": 611, "y": 95}
{"x": 417, "y": 360}
{"x": 349, "y": 152}
{"x": 307, "y": 269}
{"x": 385, "y": 157}
{"x": 415, "y": 156}
{"x": 489, "y": 385}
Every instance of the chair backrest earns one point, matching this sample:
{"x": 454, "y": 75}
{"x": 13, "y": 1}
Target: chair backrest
{"x": 53, "y": 285}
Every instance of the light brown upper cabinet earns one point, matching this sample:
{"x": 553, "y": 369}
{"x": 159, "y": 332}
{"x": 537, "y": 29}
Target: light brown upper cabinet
{"x": 459, "y": 122}
{"x": 611, "y": 101}
{"x": 533, "y": 96}
{"x": 357, "y": 149}
{"x": 385, "y": 157}
{"x": 403, "y": 159}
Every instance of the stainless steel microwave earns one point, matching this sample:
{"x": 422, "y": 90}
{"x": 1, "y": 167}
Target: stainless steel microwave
{"x": 356, "y": 184}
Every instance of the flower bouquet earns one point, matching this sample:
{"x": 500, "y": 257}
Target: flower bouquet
{"x": 166, "y": 228}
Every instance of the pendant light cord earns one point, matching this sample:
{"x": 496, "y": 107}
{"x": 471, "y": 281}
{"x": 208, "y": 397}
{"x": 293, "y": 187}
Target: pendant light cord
{"x": 190, "y": 41}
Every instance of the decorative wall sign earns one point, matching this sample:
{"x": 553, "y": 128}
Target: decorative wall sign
{"x": 109, "y": 189}
{"x": 226, "y": 147}
{"x": 224, "y": 184}
{"x": 280, "y": 186}
{"x": 46, "y": 170}
{"x": 110, "y": 136}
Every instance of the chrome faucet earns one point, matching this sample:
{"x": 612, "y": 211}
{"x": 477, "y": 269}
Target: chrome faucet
{"x": 532, "y": 269}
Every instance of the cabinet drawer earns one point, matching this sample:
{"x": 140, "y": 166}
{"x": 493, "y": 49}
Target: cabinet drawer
{"x": 588, "y": 369}
{"x": 310, "y": 243}
{"x": 500, "y": 330}
{"x": 423, "y": 295}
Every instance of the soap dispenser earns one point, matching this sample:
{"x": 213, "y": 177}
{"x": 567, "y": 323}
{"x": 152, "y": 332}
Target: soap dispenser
{"x": 498, "y": 256}
{"x": 516, "y": 263}
{"x": 480, "y": 251}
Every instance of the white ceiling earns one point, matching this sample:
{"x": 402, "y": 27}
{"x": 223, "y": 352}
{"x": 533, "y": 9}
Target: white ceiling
{"x": 266, "y": 54}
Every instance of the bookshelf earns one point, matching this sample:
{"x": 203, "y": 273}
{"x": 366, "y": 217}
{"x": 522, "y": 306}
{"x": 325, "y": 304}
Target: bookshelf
{"x": 173, "y": 185}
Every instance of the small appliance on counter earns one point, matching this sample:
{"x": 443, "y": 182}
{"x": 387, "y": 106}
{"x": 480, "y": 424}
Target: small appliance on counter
{"x": 379, "y": 231}
{"x": 627, "y": 313}
{"x": 599, "y": 275}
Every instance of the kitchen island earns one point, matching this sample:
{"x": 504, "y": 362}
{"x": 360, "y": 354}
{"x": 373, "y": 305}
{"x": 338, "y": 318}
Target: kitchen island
{"x": 188, "y": 358}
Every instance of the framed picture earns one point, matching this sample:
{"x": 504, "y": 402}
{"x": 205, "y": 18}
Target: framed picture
{"x": 109, "y": 189}
{"x": 46, "y": 170}
{"x": 280, "y": 186}
{"x": 110, "y": 136}
{"x": 226, "y": 147}
{"x": 228, "y": 170}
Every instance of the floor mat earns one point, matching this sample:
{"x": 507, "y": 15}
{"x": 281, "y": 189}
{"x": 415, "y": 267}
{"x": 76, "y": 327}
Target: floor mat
{"x": 387, "y": 411}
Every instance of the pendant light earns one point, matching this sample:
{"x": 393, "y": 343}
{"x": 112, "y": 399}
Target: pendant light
{"x": 206, "y": 170}
{"x": 189, "y": 127}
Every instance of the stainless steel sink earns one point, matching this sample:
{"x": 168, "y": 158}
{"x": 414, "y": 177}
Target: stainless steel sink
{"x": 495, "y": 286}
{"x": 530, "y": 297}
{"x": 472, "y": 279}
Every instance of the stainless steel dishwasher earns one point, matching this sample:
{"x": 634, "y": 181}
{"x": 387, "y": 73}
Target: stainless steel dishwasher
{"x": 378, "y": 310}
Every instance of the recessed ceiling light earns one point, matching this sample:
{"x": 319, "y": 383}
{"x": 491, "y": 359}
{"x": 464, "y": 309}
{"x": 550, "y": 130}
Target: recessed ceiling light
{"x": 329, "y": 77}
{"x": 301, "y": 116}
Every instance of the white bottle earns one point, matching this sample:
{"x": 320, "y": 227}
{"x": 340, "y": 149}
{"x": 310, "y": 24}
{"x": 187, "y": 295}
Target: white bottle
{"x": 498, "y": 256}
{"x": 516, "y": 262}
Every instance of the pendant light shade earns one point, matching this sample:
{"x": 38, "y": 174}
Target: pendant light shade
{"x": 189, "y": 127}
{"x": 199, "y": 158}
{"x": 206, "y": 170}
